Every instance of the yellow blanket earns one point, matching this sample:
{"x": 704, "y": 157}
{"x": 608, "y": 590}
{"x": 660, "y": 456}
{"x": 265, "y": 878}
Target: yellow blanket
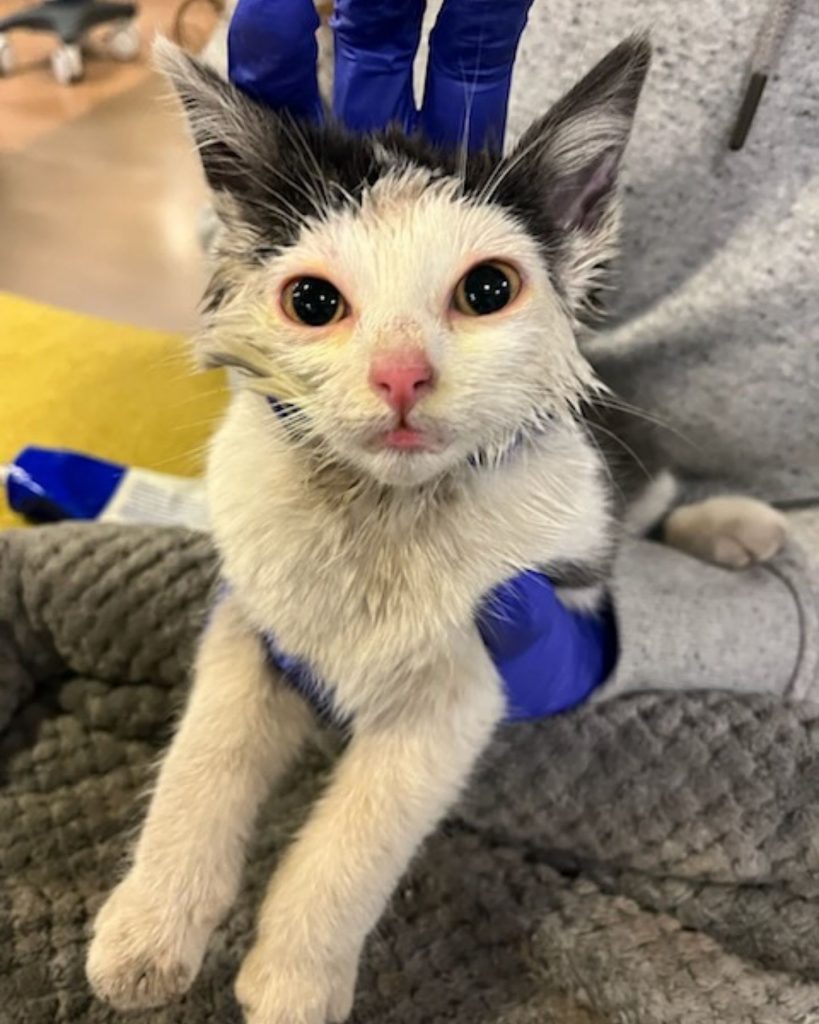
{"x": 120, "y": 392}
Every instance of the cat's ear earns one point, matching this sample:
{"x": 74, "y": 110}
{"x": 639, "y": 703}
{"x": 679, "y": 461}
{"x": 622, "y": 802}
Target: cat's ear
{"x": 229, "y": 129}
{"x": 566, "y": 165}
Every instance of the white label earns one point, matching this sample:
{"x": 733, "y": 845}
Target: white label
{"x": 147, "y": 497}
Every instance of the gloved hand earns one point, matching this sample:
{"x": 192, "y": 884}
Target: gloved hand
{"x": 549, "y": 657}
{"x": 272, "y": 55}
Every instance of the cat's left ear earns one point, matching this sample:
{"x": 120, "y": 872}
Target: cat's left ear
{"x": 562, "y": 176}
{"x": 233, "y": 134}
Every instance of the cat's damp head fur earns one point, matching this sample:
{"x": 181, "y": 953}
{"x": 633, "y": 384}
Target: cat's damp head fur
{"x": 394, "y": 225}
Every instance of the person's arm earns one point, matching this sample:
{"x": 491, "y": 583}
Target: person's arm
{"x": 683, "y": 624}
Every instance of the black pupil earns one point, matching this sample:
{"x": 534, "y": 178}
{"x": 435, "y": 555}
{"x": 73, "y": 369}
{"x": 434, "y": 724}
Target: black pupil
{"x": 486, "y": 289}
{"x": 315, "y": 301}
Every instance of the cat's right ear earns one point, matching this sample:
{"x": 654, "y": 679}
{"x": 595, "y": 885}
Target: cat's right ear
{"x": 233, "y": 134}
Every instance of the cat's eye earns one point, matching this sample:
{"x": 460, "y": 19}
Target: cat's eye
{"x": 486, "y": 288}
{"x": 313, "y": 301}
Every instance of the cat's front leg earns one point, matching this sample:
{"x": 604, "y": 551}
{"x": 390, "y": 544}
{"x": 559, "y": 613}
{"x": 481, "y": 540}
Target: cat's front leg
{"x": 394, "y": 782}
{"x": 240, "y": 730}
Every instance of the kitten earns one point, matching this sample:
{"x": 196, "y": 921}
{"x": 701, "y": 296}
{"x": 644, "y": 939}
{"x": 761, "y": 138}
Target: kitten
{"x": 409, "y": 433}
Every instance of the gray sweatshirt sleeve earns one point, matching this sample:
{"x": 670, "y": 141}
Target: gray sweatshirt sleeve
{"x": 683, "y": 624}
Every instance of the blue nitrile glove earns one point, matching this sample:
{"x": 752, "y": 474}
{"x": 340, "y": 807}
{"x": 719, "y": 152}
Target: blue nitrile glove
{"x": 549, "y": 657}
{"x": 471, "y": 56}
{"x": 272, "y": 56}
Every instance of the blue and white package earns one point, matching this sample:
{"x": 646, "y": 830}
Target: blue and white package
{"x": 45, "y": 485}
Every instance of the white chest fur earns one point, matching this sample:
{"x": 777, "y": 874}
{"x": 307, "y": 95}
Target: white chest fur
{"x": 370, "y": 585}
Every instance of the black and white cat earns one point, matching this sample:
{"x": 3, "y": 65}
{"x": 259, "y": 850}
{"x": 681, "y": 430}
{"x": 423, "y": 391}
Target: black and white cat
{"x": 409, "y": 433}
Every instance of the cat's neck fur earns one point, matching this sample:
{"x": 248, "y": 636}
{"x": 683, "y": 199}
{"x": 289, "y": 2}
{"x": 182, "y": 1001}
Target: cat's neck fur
{"x": 366, "y": 581}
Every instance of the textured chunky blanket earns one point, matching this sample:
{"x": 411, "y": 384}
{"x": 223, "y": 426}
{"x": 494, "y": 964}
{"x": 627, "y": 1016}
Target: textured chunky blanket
{"x": 650, "y": 860}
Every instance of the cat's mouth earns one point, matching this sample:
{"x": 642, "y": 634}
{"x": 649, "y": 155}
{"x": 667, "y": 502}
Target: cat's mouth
{"x": 406, "y": 439}
{"x": 406, "y": 436}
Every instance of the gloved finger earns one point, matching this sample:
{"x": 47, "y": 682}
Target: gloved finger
{"x": 375, "y": 46}
{"x": 518, "y": 612}
{"x": 471, "y": 55}
{"x": 272, "y": 54}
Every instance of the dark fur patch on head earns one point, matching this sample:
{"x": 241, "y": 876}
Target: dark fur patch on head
{"x": 313, "y": 169}
{"x": 559, "y": 182}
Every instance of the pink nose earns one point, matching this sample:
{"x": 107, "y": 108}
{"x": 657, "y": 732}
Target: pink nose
{"x": 401, "y": 378}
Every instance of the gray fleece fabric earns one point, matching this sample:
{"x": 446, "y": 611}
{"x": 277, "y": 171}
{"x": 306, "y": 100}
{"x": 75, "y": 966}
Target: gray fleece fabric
{"x": 716, "y": 318}
{"x": 685, "y": 625}
{"x": 650, "y": 859}
{"x": 714, "y": 326}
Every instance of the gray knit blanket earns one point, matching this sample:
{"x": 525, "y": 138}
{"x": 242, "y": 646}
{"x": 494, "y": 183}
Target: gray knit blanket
{"x": 651, "y": 860}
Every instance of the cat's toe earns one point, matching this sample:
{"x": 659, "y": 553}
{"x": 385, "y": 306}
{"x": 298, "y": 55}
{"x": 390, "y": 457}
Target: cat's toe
{"x": 733, "y": 531}
{"x": 275, "y": 990}
{"x": 138, "y": 958}
{"x": 138, "y": 982}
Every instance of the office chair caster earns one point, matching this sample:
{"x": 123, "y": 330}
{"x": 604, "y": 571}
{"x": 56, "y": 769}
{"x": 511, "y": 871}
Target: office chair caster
{"x": 122, "y": 40}
{"x": 71, "y": 21}
{"x": 66, "y": 63}
{"x": 7, "y": 61}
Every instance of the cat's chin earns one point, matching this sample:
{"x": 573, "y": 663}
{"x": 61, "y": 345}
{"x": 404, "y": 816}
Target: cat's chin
{"x": 405, "y": 468}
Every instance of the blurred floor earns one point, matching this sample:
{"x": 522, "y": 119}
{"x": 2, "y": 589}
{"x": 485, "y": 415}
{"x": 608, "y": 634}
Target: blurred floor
{"x": 99, "y": 204}
{"x": 32, "y": 103}
{"x": 100, "y": 215}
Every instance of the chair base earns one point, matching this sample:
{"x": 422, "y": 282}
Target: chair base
{"x": 68, "y": 19}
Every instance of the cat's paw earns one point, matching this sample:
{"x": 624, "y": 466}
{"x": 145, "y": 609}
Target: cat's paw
{"x": 142, "y": 954}
{"x": 278, "y": 988}
{"x": 733, "y": 531}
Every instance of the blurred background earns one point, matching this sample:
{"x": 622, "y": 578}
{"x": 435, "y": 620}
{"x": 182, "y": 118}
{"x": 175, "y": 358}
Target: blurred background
{"x": 100, "y": 193}
{"x": 101, "y": 263}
